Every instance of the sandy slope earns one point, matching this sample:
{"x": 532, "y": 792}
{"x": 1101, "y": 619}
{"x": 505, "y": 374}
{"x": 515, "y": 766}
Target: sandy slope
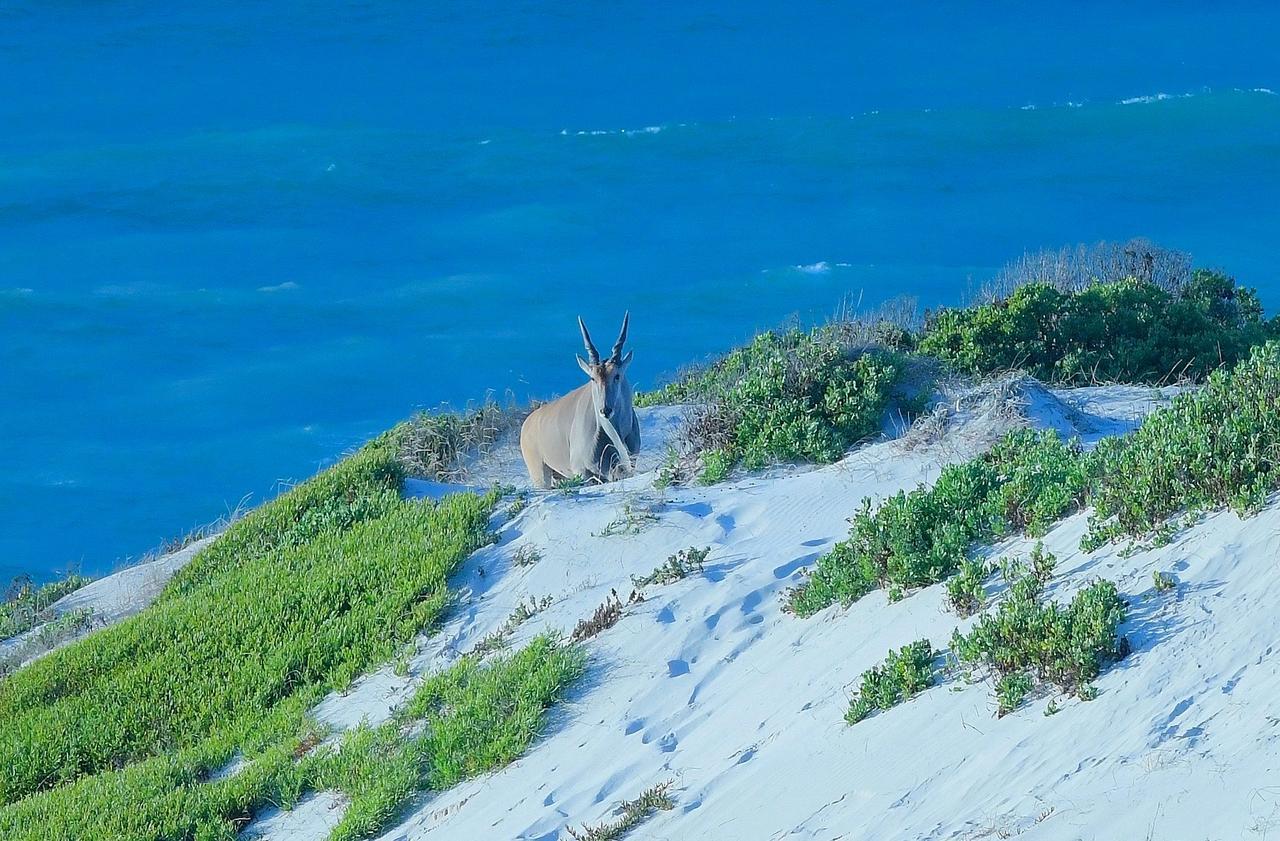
{"x": 708, "y": 683}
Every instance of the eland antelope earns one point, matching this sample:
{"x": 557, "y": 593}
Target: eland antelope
{"x": 592, "y": 431}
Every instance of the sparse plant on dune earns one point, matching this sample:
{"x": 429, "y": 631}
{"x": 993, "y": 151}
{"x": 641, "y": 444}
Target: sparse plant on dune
{"x": 681, "y": 565}
{"x": 634, "y": 517}
{"x": 604, "y": 617}
{"x": 1163, "y": 582}
{"x": 630, "y": 814}
{"x": 526, "y": 555}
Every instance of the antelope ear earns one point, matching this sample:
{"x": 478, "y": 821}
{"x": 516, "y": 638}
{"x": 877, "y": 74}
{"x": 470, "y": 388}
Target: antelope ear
{"x": 585, "y": 366}
{"x": 624, "y": 361}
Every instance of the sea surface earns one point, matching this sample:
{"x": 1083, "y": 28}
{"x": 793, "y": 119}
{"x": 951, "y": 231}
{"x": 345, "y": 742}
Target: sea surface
{"x": 237, "y": 240}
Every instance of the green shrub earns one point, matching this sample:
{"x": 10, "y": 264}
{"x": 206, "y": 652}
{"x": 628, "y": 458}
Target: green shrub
{"x": 1219, "y": 446}
{"x": 1030, "y": 638}
{"x": 786, "y": 397}
{"x": 904, "y": 673}
{"x": 1026, "y": 482}
{"x": 965, "y": 591}
{"x": 1123, "y": 330}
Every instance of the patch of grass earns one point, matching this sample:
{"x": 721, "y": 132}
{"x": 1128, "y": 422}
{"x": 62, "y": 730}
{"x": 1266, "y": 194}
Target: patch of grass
{"x": 25, "y": 605}
{"x": 1123, "y": 330}
{"x": 788, "y": 396}
{"x": 1029, "y": 639}
{"x": 1215, "y": 447}
{"x": 320, "y": 584}
{"x": 904, "y": 673}
{"x": 1163, "y": 582}
{"x": 630, "y": 815}
{"x": 435, "y": 445}
{"x": 1024, "y": 483}
{"x": 681, "y": 565}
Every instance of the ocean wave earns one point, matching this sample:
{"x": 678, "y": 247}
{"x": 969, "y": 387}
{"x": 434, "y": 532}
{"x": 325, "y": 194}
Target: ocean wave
{"x": 1158, "y": 97}
{"x": 820, "y": 267}
{"x": 279, "y": 287}
{"x": 625, "y": 132}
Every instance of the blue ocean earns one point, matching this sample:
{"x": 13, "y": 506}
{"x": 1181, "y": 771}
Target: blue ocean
{"x": 237, "y": 240}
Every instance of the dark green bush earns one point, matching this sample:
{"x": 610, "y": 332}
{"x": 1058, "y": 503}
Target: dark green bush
{"x": 1026, "y": 482}
{"x": 1124, "y": 330}
{"x": 786, "y": 397}
{"x": 904, "y": 673}
{"x": 1028, "y": 637}
{"x": 1214, "y": 447}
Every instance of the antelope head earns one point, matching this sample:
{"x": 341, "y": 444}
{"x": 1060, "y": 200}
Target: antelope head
{"x": 611, "y": 395}
{"x": 610, "y": 391}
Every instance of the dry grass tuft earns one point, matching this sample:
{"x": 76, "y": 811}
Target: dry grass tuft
{"x": 630, "y": 815}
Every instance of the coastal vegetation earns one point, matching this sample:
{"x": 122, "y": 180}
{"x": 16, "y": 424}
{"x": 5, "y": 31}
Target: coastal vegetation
{"x": 1111, "y": 313}
{"x": 27, "y": 605}
{"x": 120, "y": 735}
{"x": 789, "y": 395}
{"x": 1213, "y": 447}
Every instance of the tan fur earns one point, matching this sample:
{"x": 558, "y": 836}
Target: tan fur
{"x": 567, "y": 437}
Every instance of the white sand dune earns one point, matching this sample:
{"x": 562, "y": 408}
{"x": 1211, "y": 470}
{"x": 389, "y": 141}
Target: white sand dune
{"x": 710, "y": 684}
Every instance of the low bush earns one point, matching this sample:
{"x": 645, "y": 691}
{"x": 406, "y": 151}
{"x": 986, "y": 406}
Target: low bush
{"x": 787, "y": 396}
{"x": 1029, "y": 639}
{"x": 1126, "y": 330}
{"x": 1024, "y": 483}
{"x": 1218, "y": 446}
{"x": 903, "y": 674}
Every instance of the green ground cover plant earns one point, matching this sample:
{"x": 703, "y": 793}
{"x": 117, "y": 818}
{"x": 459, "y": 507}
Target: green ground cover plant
{"x": 904, "y": 673}
{"x": 319, "y": 585}
{"x": 463, "y": 721}
{"x": 1024, "y": 483}
{"x": 1123, "y": 330}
